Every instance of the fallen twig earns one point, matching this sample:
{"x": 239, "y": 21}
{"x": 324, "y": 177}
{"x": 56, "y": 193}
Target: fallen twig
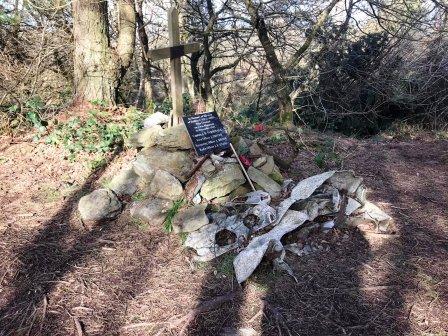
{"x": 199, "y": 309}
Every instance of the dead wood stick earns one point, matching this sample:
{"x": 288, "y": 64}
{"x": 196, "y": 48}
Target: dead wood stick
{"x": 197, "y": 166}
{"x": 78, "y": 326}
{"x": 200, "y": 309}
{"x": 44, "y": 313}
{"x": 242, "y": 167}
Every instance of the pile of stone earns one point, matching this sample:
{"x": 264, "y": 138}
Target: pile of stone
{"x": 251, "y": 223}
{"x": 162, "y": 172}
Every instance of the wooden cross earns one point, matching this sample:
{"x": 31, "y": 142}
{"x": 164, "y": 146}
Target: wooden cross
{"x": 174, "y": 52}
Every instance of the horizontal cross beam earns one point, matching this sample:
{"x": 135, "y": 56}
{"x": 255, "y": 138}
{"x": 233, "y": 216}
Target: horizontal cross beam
{"x": 173, "y": 52}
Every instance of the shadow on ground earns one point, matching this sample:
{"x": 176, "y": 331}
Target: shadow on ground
{"x": 366, "y": 284}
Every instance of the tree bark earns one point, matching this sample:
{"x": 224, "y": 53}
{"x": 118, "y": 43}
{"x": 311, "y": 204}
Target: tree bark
{"x": 99, "y": 68}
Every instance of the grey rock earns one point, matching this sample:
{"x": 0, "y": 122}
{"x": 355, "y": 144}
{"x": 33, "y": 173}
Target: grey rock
{"x": 255, "y": 150}
{"x": 146, "y": 137}
{"x": 157, "y": 118}
{"x": 143, "y": 168}
{"x": 271, "y": 169}
{"x": 268, "y": 167}
{"x": 152, "y": 210}
{"x": 260, "y": 161}
{"x": 166, "y": 186}
{"x": 264, "y": 181}
{"x": 190, "y": 219}
{"x": 175, "y": 137}
{"x": 208, "y": 168}
{"x": 177, "y": 163}
{"x": 223, "y": 182}
{"x": 99, "y": 204}
{"x": 125, "y": 182}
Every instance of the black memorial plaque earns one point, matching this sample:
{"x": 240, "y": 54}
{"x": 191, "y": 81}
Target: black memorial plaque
{"x": 207, "y": 133}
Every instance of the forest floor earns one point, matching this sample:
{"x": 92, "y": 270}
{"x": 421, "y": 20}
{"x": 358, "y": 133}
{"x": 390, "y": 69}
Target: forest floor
{"x": 126, "y": 277}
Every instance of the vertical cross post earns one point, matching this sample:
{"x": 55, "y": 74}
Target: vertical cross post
{"x": 175, "y": 68}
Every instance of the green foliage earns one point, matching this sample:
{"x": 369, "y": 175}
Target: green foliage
{"x": 183, "y": 237}
{"x": 168, "y": 223}
{"x": 139, "y": 196}
{"x": 277, "y": 138}
{"x": 165, "y": 107}
{"x": 140, "y": 224}
{"x": 91, "y": 135}
{"x": 98, "y": 102}
{"x": 96, "y": 134}
{"x": 134, "y": 121}
{"x": 327, "y": 155}
{"x": 320, "y": 160}
{"x": 97, "y": 163}
{"x": 33, "y": 107}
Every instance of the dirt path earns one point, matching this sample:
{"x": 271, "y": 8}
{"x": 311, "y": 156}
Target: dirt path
{"x": 127, "y": 278}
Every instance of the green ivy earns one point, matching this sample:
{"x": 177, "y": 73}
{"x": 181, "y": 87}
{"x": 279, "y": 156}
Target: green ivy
{"x": 96, "y": 134}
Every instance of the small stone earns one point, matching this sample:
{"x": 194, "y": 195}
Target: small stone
{"x": 146, "y": 137}
{"x": 175, "y": 137}
{"x": 152, "y": 210}
{"x": 197, "y": 199}
{"x": 208, "y": 168}
{"x": 223, "y": 182}
{"x": 125, "y": 182}
{"x": 255, "y": 150}
{"x": 99, "y": 204}
{"x": 190, "y": 219}
{"x": 264, "y": 181}
{"x": 268, "y": 167}
{"x": 260, "y": 161}
{"x": 240, "y": 191}
{"x": 157, "y": 118}
{"x": 166, "y": 186}
{"x": 177, "y": 163}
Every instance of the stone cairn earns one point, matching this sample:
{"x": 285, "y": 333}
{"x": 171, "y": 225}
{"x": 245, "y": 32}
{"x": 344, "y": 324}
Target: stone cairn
{"x": 162, "y": 170}
{"x": 166, "y": 170}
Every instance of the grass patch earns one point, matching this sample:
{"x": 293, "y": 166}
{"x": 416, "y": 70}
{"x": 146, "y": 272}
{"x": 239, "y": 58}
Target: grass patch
{"x": 3, "y": 159}
{"x": 49, "y": 194}
{"x": 139, "y": 196}
{"x": 326, "y": 155}
{"x": 183, "y": 237}
{"x": 97, "y": 163}
{"x": 168, "y": 223}
{"x": 225, "y": 264}
{"x": 140, "y": 224}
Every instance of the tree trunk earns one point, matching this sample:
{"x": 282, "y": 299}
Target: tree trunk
{"x": 281, "y": 85}
{"x": 98, "y": 68}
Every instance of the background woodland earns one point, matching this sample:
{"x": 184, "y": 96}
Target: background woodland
{"x": 353, "y": 66}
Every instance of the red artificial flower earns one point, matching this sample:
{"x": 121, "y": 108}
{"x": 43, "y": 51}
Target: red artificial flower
{"x": 245, "y": 161}
{"x": 259, "y": 127}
